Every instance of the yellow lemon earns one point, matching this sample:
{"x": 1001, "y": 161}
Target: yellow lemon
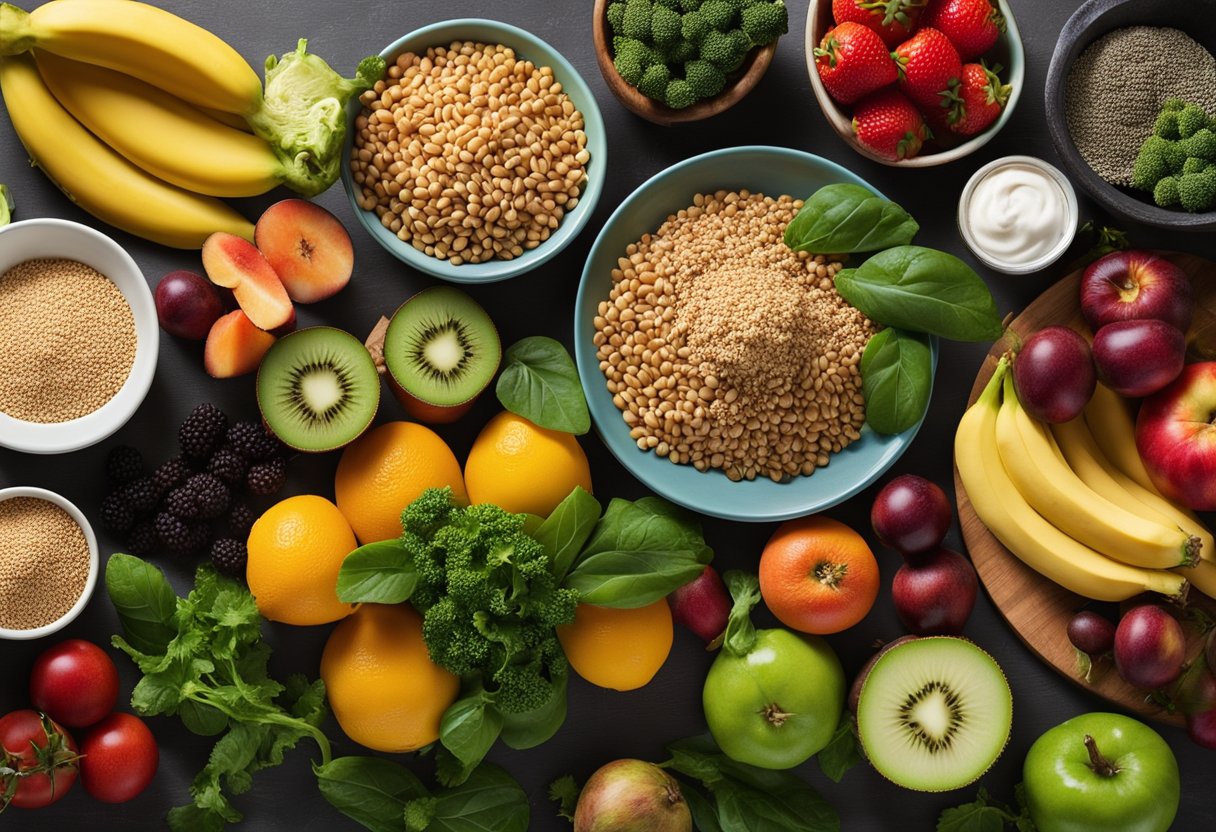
{"x": 618, "y": 649}
{"x": 523, "y": 468}
{"x": 385, "y": 691}
{"x": 295, "y": 551}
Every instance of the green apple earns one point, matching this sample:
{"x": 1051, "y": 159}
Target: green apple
{"x": 1101, "y": 772}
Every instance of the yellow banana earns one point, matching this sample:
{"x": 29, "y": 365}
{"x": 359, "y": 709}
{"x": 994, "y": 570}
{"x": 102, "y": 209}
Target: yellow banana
{"x": 1024, "y": 532}
{"x": 1115, "y": 431}
{"x": 1045, "y": 481}
{"x": 137, "y": 39}
{"x": 164, "y": 135}
{"x": 98, "y": 179}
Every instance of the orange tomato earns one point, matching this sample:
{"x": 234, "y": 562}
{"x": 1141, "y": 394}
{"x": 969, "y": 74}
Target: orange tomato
{"x": 818, "y": 576}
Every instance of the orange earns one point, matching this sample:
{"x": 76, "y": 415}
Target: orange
{"x": 817, "y": 575}
{"x": 523, "y": 468}
{"x": 618, "y": 649}
{"x": 385, "y": 691}
{"x": 295, "y": 551}
{"x": 385, "y": 470}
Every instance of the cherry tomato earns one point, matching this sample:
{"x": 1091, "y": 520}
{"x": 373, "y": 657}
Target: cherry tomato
{"x": 31, "y": 742}
{"x": 74, "y": 682}
{"x": 119, "y": 758}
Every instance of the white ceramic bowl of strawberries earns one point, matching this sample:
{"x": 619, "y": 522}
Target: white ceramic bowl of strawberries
{"x": 915, "y": 86}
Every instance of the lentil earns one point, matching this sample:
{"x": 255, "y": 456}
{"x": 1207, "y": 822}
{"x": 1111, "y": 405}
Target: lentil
{"x": 67, "y": 340}
{"x": 44, "y": 563}
{"x": 468, "y": 153}
{"x": 1115, "y": 91}
{"x": 725, "y": 349}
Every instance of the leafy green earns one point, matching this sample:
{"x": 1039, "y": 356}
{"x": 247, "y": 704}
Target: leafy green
{"x": 846, "y": 219}
{"x": 842, "y": 752}
{"x": 744, "y": 588}
{"x": 638, "y": 553}
{"x": 531, "y": 728}
{"x": 897, "y": 380}
{"x": 213, "y": 672}
{"x": 489, "y": 799}
{"x": 987, "y": 815}
{"x": 567, "y": 528}
{"x": 468, "y": 729}
{"x": 369, "y": 790}
{"x": 6, "y": 205}
{"x": 540, "y": 382}
{"x": 922, "y": 290}
{"x": 564, "y": 791}
{"x": 378, "y": 573}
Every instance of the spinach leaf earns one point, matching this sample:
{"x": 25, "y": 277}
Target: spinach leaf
{"x": 567, "y": 529}
{"x": 378, "y": 573}
{"x": 845, "y": 218}
{"x": 540, "y": 382}
{"x": 369, "y": 790}
{"x": 468, "y": 728}
{"x": 923, "y": 290}
{"x": 897, "y": 380}
{"x": 531, "y": 728}
{"x": 842, "y": 752}
{"x": 144, "y": 601}
{"x": 987, "y": 815}
{"x": 489, "y": 799}
{"x": 704, "y": 811}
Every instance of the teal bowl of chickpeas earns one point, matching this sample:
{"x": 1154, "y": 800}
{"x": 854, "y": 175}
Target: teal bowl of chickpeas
{"x": 479, "y": 156}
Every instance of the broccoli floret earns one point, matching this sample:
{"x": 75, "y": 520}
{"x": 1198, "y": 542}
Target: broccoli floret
{"x": 1197, "y": 191}
{"x": 1194, "y": 164}
{"x": 690, "y": 5}
{"x": 763, "y": 23}
{"x": 1191, "y": 119}
{"x": 1201, "y": 145}
{"x": 1166, "y": 125}
{"x": 664, "y": 26}
{"x": 654, "y": 81}
{"x": 1152, "y": 163}
{"x": 631, "y": 57}
{"x": 693, "y": 27}
{"x": 1165, "y": 194}
{"x": 724, "y": 50}
{"x": 720, "y": 14}
{"x": 679, "y": 52}
{"x": 1173, "y": 105}
{"x": 674, "y": 5}
{"x": 705, "y": 79}
{"x": 636, "y": 21}
{"x": 679, "y": 95}
{"x": 616, "y": 16}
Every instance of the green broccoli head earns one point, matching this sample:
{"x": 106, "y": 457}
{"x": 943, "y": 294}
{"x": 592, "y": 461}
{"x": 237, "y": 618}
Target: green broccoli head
{"x": 725, "y": 50}
{"x": 720, "y": 14}
{"x": 1166, "y": 125}
{"x": 1197, "y": 191}
{"x": 674, "y": 5}
{"x": 679, "y": 94}
{"x": 679, "y": 52}
{"x": 664, "y": 26}
{"x": 1193, "y": 164}
{"x": 1173, "y": 105}
{"x": 1165, "y": 193}
{"x": 690, "y": 5}
{"x": 631, "y": 57}
{"x": 1191, "y": 119}
{"x": 636, "y": 21}
{"x": 705, "y": 79}
{"x": 616, "y": 16}
{"x": 1154, "y": 161}
{"x": 1201, "y": 145}
{"x": 654, "y": 81}
{"x": 693, "y": 27}
{"x": 763, "y": 23}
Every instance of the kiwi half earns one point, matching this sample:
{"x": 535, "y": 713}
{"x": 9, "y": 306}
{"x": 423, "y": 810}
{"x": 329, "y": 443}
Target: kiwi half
{"x": 934, "y": 713}
{"x": 318, "y": 389}
{"x": 441, "y": 351}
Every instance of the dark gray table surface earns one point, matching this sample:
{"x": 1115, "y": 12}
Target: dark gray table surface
{"x": 602, "y": 725}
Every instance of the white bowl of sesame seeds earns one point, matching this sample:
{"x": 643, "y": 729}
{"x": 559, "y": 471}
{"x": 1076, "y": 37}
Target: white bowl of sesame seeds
{"x": 78, "y": 336}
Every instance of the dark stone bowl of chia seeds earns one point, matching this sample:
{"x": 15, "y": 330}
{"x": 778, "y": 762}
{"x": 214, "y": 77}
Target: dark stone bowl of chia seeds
{"x": 1120, "y": 104}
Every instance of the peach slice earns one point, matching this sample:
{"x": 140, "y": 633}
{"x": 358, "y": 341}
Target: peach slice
{"x": 234, "y": 263}
{"x": 307, "y": 247}
{"x": 235, "y": 346}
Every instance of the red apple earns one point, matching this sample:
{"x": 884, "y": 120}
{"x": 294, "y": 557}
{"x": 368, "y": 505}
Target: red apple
{"x": 1136, "y": 285}
{"x": 307, "y": 247}
{"x": 1176, "y": 437}
{"x": 233, "y": 262}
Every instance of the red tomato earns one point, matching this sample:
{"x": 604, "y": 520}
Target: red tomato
{"x": 119, "y": 758}
{"x": 75, "y": 682}
{"x": 31, "y": 742}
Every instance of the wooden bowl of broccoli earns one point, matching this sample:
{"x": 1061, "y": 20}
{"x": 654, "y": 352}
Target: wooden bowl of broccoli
{"x": 676, "y": 61}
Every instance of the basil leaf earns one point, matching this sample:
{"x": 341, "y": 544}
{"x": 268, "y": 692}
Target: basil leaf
{"x": 489, "y": 799}
{"x": 567, "y": 529}
{"x": 378, "y": 573}
{"x": 842, "y": 751}
{"x": 369, "y": 790}
{"x": 846, "y": 218}
{"x": 531, "y": 728}
{"x": 144, "y": 601}
{"x": 922, "y": 290}
{"x": 469, "y": 728}
{"x": 540, "y": 382}
{"x": 704, "y": 811}
{"x": 897, "y": 380}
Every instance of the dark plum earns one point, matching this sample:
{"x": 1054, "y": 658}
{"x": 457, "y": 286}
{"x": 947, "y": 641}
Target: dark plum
{"x": 1201, "y": 728}
{"x": 1091, "y": 633}
{"x": 1138, "y": 358}
{"x": 1150, "y": 647}
{"x": 702, "y": 605}
{"x": 1054, "y": 374}
{"x": 1135, "y": 286}
{"x": 911, "y": 514}
{"x": 187, "y": 305}
{"x": 934, "y": 592}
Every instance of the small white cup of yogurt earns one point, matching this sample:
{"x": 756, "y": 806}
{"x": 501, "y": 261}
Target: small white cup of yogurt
{"x": 1018, "y": 214}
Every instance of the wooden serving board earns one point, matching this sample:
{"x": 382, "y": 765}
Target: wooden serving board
{"x": 1038, "y": 609}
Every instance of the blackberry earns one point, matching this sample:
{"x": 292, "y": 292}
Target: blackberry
{"x": 211, "y": 496}
{"x": 252, "y": 441}
{"x": 181, "y": 503}
{"x": 142, "y": 539}
{"x": 173, "y": 531}
{"x": 142, "y": 495}
{"x": 116, "y": 513}
{"x": 198, "y": 537}
{"x": 240, "y": 520}
{"x": 266, "y": 478}
{"x": 124, "y": 464}
{"x": 171, "y": 474}
{"x": 229, "y": 557}
{"x": 228, "y": 466}
{"x": 203, "y": 431}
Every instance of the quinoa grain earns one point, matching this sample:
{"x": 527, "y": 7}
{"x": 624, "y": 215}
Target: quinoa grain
{"x": 44, "y": 563}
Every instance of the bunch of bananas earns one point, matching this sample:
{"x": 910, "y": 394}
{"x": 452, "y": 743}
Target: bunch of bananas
{"x": 144, "y": 119}
{"x": 1074, "y": 502}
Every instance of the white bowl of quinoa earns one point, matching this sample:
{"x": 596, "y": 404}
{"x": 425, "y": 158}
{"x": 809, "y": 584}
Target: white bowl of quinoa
{"x": 48, "y": 563}
{"x": 78, "y": 336}
{"x": 755, "y": 346}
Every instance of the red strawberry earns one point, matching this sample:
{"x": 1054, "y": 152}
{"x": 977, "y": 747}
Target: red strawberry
{"x": 853, "y": 62}
{"x": 982, "y": 97}
{"x": 890, "y": 125}
{"x": 972, "y": 25}
{"x": 893, "y": 20}
{"x": 929, "y": 67}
